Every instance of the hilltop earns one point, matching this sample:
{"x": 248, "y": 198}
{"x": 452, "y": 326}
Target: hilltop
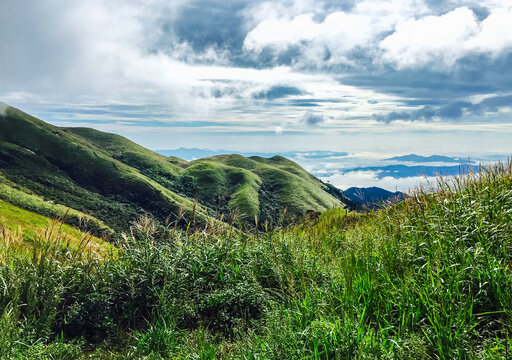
{"x": 111, "y": 180}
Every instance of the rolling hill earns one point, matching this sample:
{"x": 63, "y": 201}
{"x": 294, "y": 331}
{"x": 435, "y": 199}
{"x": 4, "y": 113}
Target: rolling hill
{"x": 110, "y": 180}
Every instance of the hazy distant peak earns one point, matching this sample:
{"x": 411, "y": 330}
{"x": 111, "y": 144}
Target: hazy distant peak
{"x": 419, "y": 158}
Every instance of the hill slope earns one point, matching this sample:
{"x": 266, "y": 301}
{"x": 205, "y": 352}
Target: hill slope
{"x": 112, "y": 179}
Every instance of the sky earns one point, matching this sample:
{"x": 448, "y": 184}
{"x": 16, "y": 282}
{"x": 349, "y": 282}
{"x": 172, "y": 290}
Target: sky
{"x": 360, "y": 76}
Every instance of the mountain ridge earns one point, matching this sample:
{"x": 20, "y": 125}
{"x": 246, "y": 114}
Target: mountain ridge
{"x": 113, "y": 179}
{"x": 426, "y": 159}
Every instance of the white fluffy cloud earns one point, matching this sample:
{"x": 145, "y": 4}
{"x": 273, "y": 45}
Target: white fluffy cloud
{"x": 495, "y": 35}
{"x": 335, "y": 35}
{"x": 281, "y": 33}
{"x": 370, "y": 178}
{"x": 442, "y": 40}
{"x": 402, "y": 33}
{"x": 339, "y": 32}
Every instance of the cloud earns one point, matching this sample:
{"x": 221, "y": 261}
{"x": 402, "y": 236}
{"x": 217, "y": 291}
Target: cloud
{"x": 207, "y": 24}
{"x": 190, "y": 62}
{"x": 440, "y": 41}
{"x": 278, "y": 92}
{"x": 370, "y": 178}
{"x": 281, "y": 34}
{"x": 313, "y": 119}
{"x": 339, "y": 33}
{"x": 404, "y": 34}
{"x": 494, "y": 103}
{"x": 323, "y": 36}
{"x": 452, "y": 110}
{"x": 417, "y": 42}
{"x": 495, "y": 34}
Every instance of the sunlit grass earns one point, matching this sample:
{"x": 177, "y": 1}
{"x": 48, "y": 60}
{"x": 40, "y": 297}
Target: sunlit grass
{"x": 429, "y": 278}
{"x": 23, "y": 231}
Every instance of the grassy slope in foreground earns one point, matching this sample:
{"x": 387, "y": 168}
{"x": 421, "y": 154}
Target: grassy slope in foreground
{"x": 24, "y": 198}
{"x": 429, "y": 278}
{"x": 23, "y": 231}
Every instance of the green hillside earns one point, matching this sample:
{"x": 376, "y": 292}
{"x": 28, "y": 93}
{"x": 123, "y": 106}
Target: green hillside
{"x": 282, "y": 184}
{"x": 113, "y": 180}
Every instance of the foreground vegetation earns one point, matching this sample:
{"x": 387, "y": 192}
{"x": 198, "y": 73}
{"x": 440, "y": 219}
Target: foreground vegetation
{"x": 428, "y": 278}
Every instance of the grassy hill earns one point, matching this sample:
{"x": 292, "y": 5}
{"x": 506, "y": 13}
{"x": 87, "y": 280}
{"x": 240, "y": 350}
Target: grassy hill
{"x": 259, "y": 186}
{"x": 428, "y": 278}
{"x": 113, "y": 180}
{"x": 64, "y": 168}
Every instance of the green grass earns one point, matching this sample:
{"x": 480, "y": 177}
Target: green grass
{"x": 23, "y": 231}
{"x": 23, "y": 198}
{"x": 127, "y": 151}
{"x": 226, "y": 183}
{"x": 429, "y": 278}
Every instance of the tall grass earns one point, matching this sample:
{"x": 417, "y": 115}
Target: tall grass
{"x": 428, "y": 278}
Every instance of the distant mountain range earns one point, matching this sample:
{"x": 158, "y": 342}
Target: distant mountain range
{"x": 373, "y": 197}
{"x": 425, "y": 159}
{"x": 111, "y": 180}
{"x": 195, "y": 153}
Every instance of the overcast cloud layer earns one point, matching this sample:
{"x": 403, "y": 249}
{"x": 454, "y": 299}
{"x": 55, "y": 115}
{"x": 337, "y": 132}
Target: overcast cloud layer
{"x": 399, "y": 76}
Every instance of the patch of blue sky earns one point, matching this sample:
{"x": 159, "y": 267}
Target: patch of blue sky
{"x": 153, "y": 124}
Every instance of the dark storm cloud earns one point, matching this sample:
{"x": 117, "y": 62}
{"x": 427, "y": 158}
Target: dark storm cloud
{"x": 441, "y": 95}
{"x": 420, "y": 83}
{"x": 494, "y": 103}
{"x": 473, "y": 75}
